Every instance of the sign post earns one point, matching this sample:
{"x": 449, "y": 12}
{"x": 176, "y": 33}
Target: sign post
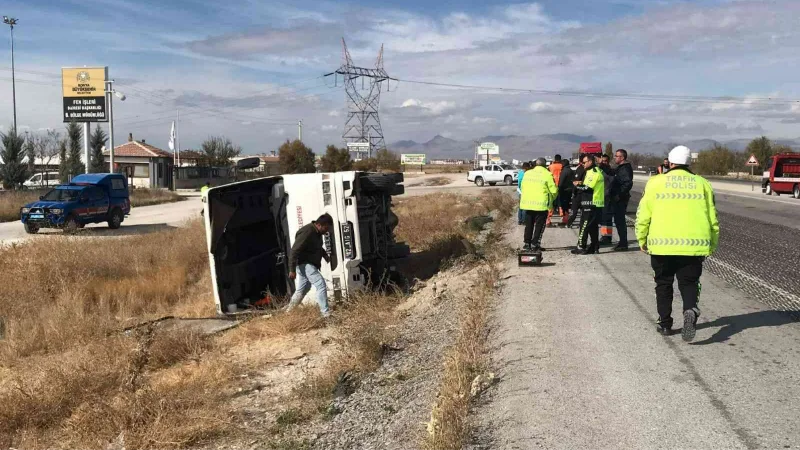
{"x": 752, "y": 162}
{"x": 488, "y": 152}
{"x": 83, "y": 92}
{"x": 361, "y": 150}
{"x": 412, "y": 159}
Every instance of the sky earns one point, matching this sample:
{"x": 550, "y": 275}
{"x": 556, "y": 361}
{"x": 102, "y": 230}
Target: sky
{"x": 250, "y": 69}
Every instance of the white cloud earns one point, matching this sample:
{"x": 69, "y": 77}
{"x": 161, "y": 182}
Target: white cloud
{"x": 547, "y": 108}
{"x": 483, "y": 120}
{"x": 434, "y": 108}
{"x": 334, "y": 113}
{"x": 329, "y": 127}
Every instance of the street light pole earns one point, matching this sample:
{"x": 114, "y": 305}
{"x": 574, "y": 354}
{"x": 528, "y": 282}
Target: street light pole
{"x": 10, "y": 21}
{"x": 111, "y": 93}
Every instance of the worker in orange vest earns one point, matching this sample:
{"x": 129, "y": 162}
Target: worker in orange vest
{"x": 555, "y": 170}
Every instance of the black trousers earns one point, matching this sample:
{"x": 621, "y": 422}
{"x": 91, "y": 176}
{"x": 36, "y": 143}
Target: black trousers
{"x": 590, "y": 221}
{"x": 576, "y": 206}
{"x": 534, "y": 226}
{"x": 565, "y": 202}
{"x": 665, "y": 269}
{"x": 619, "y": 208}
{"x": 608, "y": 215}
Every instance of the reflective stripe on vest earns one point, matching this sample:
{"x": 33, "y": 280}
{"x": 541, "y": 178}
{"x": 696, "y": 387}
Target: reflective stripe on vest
{"x": 678, "y": 214}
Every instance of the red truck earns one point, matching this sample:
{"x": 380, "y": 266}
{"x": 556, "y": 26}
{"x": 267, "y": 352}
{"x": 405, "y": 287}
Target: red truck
{"x": 782, "y": 175}
{"x": 591, "y": 148}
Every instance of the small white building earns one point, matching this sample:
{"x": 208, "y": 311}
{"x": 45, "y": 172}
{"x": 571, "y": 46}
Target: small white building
{"x": 145, "y": 166}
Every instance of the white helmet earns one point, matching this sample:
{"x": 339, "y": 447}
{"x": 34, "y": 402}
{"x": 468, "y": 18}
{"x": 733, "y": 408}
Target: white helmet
{"x": 680, "y": 155}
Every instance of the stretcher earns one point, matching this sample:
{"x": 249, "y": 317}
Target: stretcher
{"x": 529, "y": 257}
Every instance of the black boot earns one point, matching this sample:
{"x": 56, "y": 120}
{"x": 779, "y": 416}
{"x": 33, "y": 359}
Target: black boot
{"x": 527, "y": 247}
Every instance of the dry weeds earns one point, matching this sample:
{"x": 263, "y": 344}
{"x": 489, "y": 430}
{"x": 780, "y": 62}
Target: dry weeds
{"x": 449, "y": 425}
{"x": 72, "y": 378}
{"x": 363, "y": 332}
{"x": 429, "y": 220}
{"x": 12, "y": 201}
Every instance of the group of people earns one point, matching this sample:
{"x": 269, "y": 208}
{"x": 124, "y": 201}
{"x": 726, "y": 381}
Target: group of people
{"x": 676, "y": 220}
{"x": 597, "y": 190}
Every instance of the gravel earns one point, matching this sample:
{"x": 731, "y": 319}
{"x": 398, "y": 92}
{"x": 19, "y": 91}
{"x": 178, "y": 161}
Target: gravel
{"x": 391, "y": 405}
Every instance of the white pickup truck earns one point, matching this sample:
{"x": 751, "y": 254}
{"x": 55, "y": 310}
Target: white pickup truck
{"x": 493, "y": 174}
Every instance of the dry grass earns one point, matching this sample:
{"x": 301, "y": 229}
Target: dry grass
{"x": 300, "y": 320}
{"x": 363, "y": 331}
{"x": 449, "y": 426}
{"x": 429, "y": 220}
{"x": 12, "y": 201}
{"x": 71, "y": 379}
{"x": 148, "y": 197}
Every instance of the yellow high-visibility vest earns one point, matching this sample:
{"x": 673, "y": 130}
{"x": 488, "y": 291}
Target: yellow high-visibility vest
{"x": 677, "y": 215}
{"x": 538, "y": 190}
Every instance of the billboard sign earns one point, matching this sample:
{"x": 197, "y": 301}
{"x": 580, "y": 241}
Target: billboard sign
{"x": 415, "y": 159}
{"x": 84, "y": 94}
{"x": 358, "y": 146}
{"x": 489, "y": 148}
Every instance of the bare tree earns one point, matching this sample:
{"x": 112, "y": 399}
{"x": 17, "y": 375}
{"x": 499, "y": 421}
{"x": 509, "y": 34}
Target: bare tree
{"x": 45, "y": 147}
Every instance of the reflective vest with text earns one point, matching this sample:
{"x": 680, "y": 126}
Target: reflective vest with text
{"x": 677, "y": 216}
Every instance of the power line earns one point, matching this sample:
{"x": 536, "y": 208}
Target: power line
{"x": 218, "y": 110}
{"x": 626, "y": 96}
{"x": 230, "y": 116}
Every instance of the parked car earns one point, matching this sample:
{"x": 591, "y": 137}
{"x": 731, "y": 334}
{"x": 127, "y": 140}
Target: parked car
{"x": 42, "y": 180}
{"x": 251, "y": 227}
{"x": 90, "y": 198}
{"x": 493, "y": 174}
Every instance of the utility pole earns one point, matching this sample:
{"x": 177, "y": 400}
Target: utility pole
{"x": 10, "y": 21}
{"x": 86, "y": 155}
{"x": 300, "y": 130}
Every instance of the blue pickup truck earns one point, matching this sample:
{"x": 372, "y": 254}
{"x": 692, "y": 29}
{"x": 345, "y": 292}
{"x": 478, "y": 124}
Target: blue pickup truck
{"x": 90, "y": 198}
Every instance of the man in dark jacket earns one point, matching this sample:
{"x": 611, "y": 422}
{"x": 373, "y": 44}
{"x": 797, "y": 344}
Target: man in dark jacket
{"x": 620, "y": 195}
{"x": 565, "y": 189}
{"x": 579, "y": 175}
{"x": 305, "y": 260}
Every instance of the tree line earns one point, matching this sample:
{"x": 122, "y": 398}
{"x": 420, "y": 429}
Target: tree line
{"x": 716, "y": 160}
{"x": 20, "y": 152}
{"x": 296, "y": 157}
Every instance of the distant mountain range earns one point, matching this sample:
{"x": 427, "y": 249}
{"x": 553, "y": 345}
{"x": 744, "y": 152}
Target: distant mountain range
{"x": 528, "y": 147}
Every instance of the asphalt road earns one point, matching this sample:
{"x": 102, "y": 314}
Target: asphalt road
{"x": 581, "y": 365}
{"x": 144, "y": 219}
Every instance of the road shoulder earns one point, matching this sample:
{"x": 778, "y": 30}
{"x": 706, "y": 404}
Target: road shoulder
{"x": 581, "y": 365}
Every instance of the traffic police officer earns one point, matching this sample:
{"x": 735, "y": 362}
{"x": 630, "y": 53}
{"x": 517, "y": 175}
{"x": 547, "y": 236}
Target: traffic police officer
{"x": 677, "y": 225}
{"x": 592, "y": 198}
{"x": 538, "y": 192}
